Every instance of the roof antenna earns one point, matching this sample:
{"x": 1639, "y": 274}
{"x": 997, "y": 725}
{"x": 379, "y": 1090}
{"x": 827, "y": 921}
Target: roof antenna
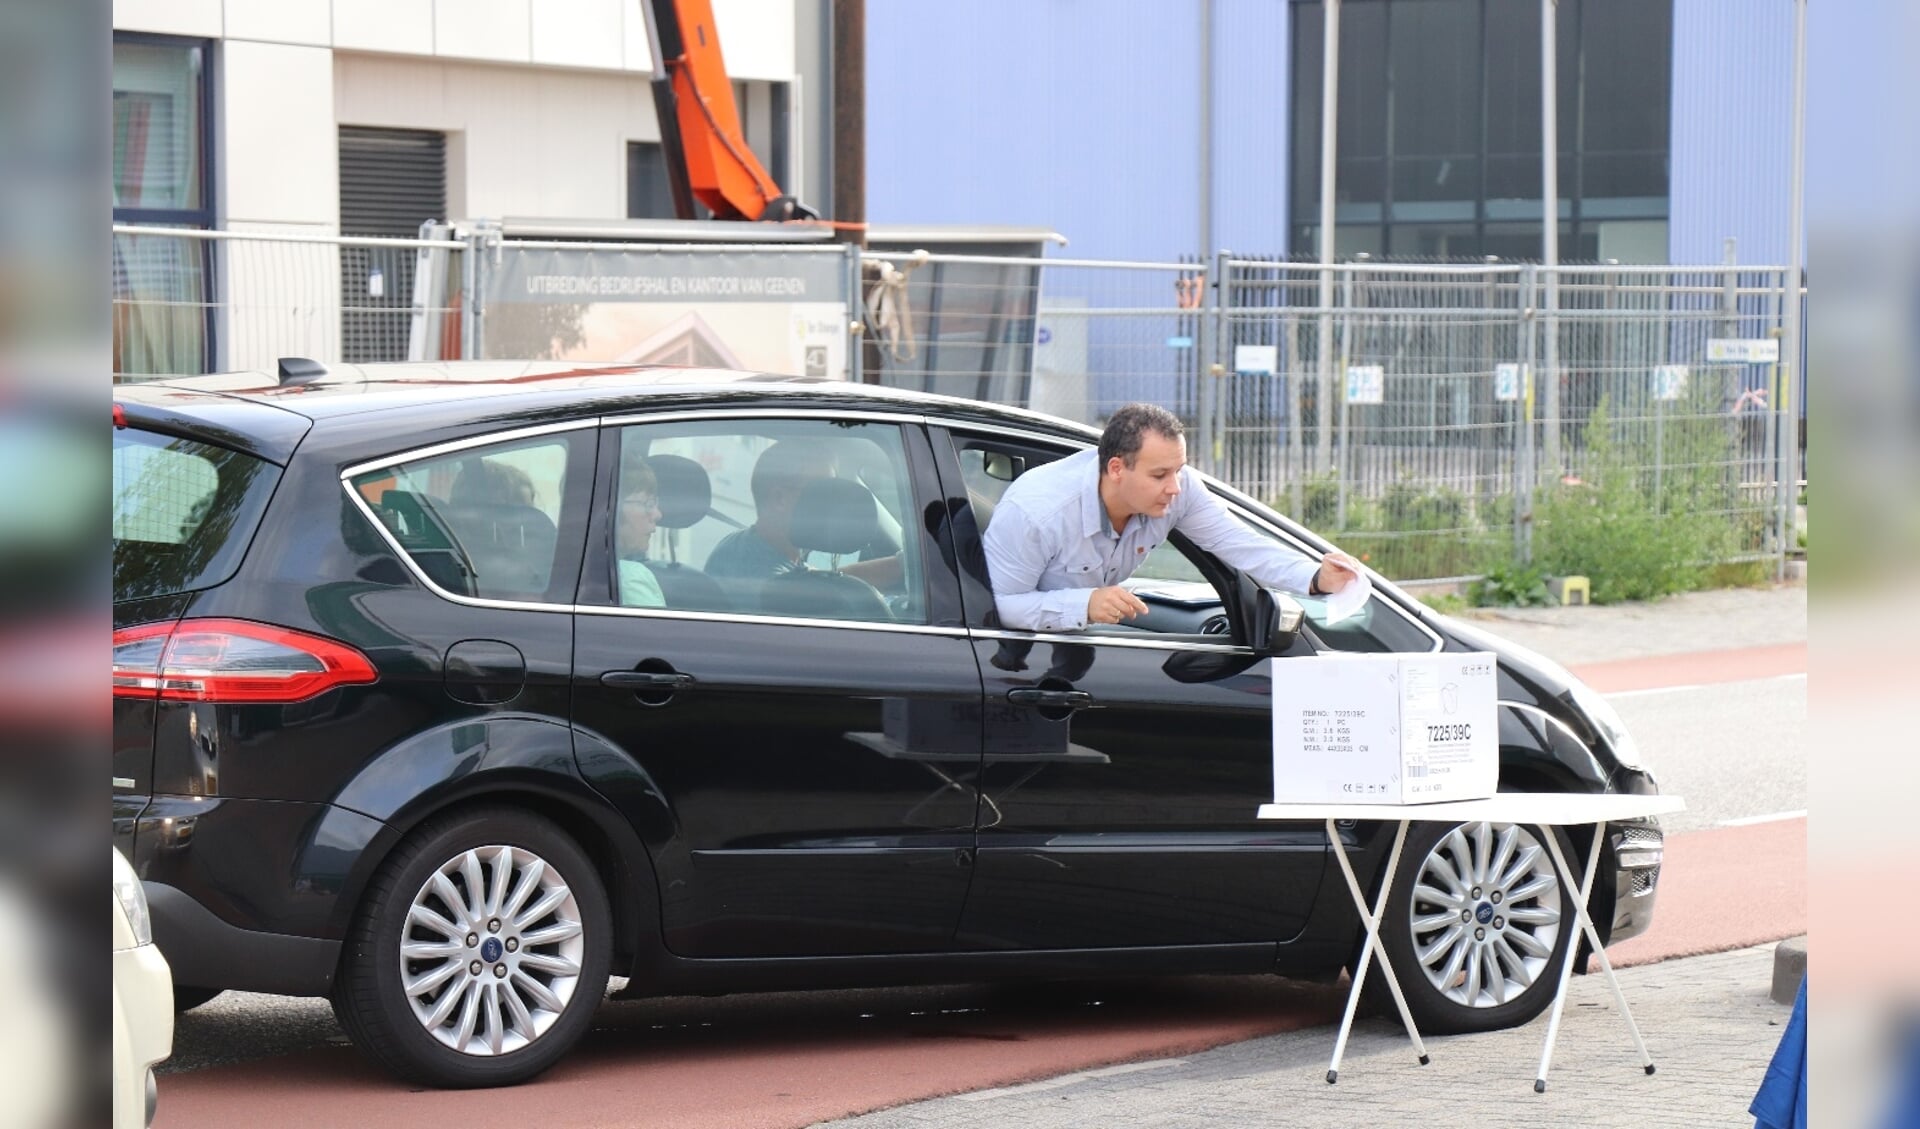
{"x": 300, "y": 370}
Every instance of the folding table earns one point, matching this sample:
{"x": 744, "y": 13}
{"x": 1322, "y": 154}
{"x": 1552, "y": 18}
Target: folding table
{"x": 1542, "y": 808}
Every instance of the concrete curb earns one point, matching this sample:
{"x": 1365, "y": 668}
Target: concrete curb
{"x": 1789, "y": 968}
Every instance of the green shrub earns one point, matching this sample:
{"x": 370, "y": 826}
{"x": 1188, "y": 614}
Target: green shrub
{"x": 1410, "y": 506}
{"x": 1631, "y": 541}
{"x": 1446, "y": 603}
{"x": 1511, "y": 585}
{"x": 1320, "y": 501}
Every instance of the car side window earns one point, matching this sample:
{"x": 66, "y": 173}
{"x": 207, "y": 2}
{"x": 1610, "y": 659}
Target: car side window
{"x": 799, "y": 518}
{"x": 482, "y": 521}
{"x": 1172, "y": 582}
{"x": 1180, "y": 597}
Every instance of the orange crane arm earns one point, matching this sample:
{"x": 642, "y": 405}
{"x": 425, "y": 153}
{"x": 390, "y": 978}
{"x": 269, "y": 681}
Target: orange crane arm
{"x": 707, "y": 157}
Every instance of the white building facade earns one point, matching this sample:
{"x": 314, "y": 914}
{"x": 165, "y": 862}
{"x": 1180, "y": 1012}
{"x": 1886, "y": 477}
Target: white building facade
{"x": 368, "y": 117}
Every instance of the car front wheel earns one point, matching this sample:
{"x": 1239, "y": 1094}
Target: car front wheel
{"x": 480, "y": 953}
{"x": 1477, "y": 925}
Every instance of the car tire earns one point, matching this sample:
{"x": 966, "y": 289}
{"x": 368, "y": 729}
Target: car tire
{"x": 539, "y": 934}
{"x": 1498, "y": 966}
{"x": 186, "y": 998}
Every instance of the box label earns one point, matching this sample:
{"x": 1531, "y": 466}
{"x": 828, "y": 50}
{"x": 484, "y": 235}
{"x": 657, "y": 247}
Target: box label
{"x": 1385, "y": 728}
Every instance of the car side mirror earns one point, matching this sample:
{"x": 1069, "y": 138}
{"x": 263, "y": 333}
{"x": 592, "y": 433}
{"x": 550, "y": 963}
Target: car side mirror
{"x": 1274, "y": 623}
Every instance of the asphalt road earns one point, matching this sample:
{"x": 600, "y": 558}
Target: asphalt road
{"x": 1725, "y": 728}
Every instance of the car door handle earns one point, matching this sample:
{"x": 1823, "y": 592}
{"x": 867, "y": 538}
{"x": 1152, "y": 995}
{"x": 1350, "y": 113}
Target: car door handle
{"x": 646, "y": 680}
{"x": 1057, "y": 699}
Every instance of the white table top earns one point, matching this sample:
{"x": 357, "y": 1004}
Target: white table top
{"x": 1506, "y": 807}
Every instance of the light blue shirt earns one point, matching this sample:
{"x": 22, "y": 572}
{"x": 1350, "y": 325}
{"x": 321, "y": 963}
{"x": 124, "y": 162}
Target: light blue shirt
{"x": 1050, "y": 544}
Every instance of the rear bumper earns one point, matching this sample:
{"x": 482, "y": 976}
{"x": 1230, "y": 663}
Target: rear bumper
{"x": 253, "y": 894}
{"x": 207, "y": 952}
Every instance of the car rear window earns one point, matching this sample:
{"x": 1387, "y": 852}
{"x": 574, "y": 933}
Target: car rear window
{"x": 183, "y": 512}
{"x": 482, "y": 521}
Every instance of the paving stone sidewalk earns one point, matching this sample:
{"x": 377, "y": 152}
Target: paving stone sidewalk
{"x": 1722, "y": 619}
{"x": 1707, "y": 1020}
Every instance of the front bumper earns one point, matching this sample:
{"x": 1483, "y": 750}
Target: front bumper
{"x": 1634, "y": 852}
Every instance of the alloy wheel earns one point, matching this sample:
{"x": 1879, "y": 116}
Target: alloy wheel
{"x": 1485, "y": 912}
{"x": 491, "y": 951}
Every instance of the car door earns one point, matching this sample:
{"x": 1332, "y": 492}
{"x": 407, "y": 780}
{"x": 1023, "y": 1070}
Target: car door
{"x": 813, "y": 737}
{"x": 1122, "y": 771}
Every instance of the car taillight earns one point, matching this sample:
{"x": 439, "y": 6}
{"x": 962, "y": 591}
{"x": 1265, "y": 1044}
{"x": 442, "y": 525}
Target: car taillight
{"x": 231, "y": 660}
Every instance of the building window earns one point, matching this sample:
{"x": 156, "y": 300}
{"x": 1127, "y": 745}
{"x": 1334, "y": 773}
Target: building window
{"x": 391, "y": 182}
{"x": 162, "y": 177}
{"x": 765, "y": 112}
{"x": 1439, "y": 146}
{"x": 649, "y": 191}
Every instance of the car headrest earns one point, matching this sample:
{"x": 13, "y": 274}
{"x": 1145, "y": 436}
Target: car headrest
{"x": 835, "y": 515}
{"x": 685, "y": 491}
{"x": 501, "y": 523}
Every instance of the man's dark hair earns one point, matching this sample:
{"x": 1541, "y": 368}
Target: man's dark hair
{"x": 1127, "y": 428}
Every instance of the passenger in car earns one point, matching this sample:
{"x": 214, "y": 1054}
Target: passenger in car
{"x": 1065, "y": 535}
{"x": 633, "y": 531}
{"x": 484, "y": 481}
{"x": 765, "y": 549}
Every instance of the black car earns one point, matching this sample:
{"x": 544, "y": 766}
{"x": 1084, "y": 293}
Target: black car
{"x": 447, "y": 691}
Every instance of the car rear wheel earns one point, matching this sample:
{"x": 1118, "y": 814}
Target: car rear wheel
{"x": 480, "y": 952}
{"x": 1477, "y": 925}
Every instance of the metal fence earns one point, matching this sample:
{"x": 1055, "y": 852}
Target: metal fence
{"x": 1452, "y": 412}
{"x": 187, "y": 300}
{"x": 1071, "y": 337}
{"x": 1432, "y": 417}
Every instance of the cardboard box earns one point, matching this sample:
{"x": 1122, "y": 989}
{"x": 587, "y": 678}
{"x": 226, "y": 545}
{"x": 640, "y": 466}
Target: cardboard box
{"x": 1385, "y": 729}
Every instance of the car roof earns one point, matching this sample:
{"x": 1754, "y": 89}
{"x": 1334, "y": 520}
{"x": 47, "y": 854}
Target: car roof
{"x": 452, "y": 393}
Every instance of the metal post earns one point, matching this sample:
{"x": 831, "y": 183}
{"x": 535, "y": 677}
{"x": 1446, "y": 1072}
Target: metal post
{"x": 1791, "y": 347}
{"x": 1205, "y": 364}
{"x": 1346, "y": 411}
{"x": 1295, "y": 471}
{"x": 491, "y": 246}
{"x": 857, "y": 318}
{"x": 1222, "y": 364}
{"x": 469, "y": 296}
{"x": 1659, "y": 452}
{"x": 1523, "y": 473}
{"x": 1329, "y": 152}
{"x": 1550, "y": 231}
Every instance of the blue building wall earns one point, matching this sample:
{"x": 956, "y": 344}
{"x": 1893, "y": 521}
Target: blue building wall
{"x": 1732, "y": 109}
{"x": 1253, "y": 106}
{"x": 1079, "y": 115}
{"x": 1083, "y": 116}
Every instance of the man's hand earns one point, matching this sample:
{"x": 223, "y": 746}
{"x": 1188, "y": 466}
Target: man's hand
{"x": 1113, "y": 604}
{"x": 1337, "y": 570}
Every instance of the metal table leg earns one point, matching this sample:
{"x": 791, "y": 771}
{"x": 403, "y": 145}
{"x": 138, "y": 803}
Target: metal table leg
{"x": 1585, "y": 927}
{"x": 1371, "y": 921}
